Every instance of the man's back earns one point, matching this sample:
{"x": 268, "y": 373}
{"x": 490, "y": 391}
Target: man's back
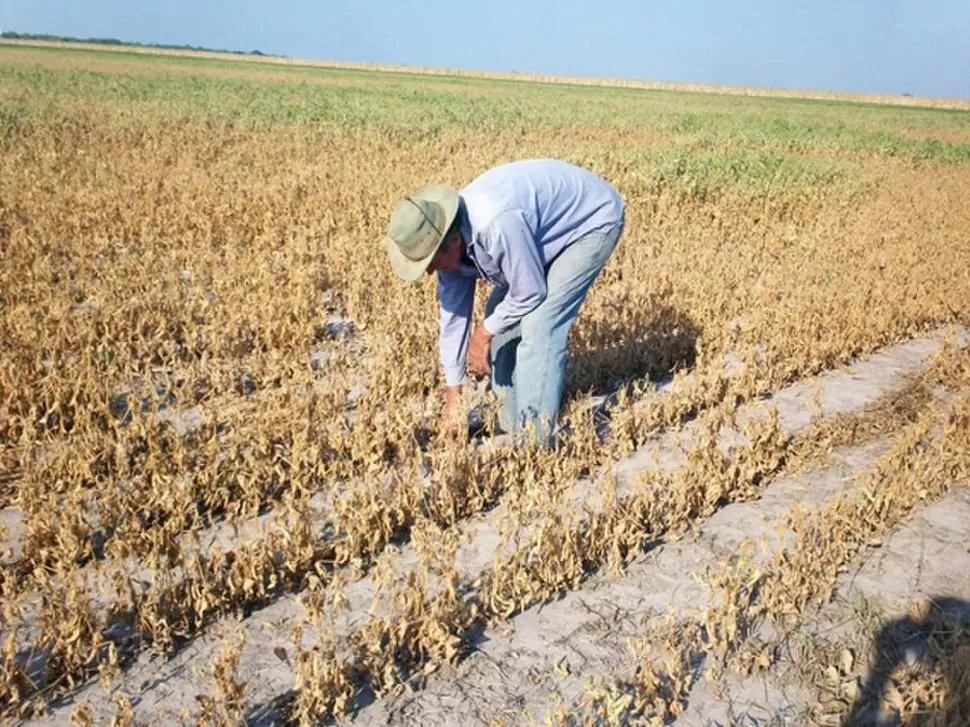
{"x": 559, "y": 202}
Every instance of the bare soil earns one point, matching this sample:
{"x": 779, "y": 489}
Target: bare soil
{"x": 523, "y": 670}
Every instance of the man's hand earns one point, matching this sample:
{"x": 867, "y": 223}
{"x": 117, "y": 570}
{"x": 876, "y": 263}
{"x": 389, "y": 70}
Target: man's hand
{"x": 453, "y": 424}
{"x": 479, "y": 352}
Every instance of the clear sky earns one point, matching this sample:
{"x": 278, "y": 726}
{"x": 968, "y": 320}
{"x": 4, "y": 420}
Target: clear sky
{"x": 880, "y": 46}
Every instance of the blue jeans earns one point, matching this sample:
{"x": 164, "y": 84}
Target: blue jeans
{"x": 529, "y": 360}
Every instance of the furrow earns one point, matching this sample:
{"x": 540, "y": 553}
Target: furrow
{"x": 268, "y": 631}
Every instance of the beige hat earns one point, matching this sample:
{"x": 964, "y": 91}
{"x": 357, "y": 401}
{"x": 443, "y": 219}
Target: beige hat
{"x": 418, "y": 227}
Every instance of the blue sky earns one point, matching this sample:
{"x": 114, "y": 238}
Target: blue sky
{"x": 888, "y": 46}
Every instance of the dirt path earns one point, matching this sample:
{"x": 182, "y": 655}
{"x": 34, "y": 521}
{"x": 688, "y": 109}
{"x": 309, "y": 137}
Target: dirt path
{"x": 541, "y": 659}
{"x": 508, "y": 672}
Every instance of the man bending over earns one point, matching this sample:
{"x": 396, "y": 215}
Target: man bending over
{"x": 540, "y": 231}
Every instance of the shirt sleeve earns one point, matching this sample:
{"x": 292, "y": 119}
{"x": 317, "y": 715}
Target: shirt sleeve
{"x": 456, "y": 294}
{"x": 514, "y": 250}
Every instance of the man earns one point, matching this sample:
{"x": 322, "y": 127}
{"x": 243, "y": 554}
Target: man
{"x": 540, "y": 231}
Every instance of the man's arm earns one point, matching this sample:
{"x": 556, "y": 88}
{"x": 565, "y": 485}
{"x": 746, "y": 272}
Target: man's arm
{"x": 514, "y": 250}
{"x": 456, "y": 295}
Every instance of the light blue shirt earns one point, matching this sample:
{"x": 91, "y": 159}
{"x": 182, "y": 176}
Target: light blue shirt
{"x": 515, "y": 219}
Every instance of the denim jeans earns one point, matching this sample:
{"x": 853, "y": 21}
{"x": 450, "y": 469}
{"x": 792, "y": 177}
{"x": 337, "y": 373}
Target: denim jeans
{"x": 529, "y": 360}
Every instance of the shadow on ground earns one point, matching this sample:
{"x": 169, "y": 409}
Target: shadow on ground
{"x": 612, "y": 356}
{"x": 608, "y": 361}
{"x": 934, "y": 648}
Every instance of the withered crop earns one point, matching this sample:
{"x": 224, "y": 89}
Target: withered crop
{"x": 199, "y": 332}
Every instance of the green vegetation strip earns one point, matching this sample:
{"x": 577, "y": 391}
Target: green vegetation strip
{"x": 266, "y": 95}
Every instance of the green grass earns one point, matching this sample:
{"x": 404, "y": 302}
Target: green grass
{"x": 700, "y": 176}
{"x": 264, "y": 95}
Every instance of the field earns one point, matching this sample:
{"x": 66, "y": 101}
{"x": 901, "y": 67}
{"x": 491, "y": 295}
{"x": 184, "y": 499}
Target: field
{"x": 223, "y": 497}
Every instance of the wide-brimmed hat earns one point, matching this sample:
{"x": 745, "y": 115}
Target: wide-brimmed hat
{"x": 418, "y": 226}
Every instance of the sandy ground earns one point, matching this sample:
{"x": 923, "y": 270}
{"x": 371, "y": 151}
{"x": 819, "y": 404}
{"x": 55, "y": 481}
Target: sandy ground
{"x": 521, "y": 670}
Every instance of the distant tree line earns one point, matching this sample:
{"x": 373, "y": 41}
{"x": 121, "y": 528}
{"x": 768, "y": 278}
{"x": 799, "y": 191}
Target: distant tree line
{"x": 114, "y": 41}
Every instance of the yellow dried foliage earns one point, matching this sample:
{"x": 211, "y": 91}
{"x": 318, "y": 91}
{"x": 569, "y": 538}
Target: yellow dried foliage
{"x": 198, "y": 328}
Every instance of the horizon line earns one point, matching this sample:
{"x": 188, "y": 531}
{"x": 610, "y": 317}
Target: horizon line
{"x": 900, "y": 99}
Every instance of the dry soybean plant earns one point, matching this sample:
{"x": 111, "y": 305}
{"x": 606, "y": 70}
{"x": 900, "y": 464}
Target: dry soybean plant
{"x": 197, "y": 334}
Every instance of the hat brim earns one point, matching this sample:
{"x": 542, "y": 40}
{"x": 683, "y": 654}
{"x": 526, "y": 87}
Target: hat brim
{"x": 411, "y": 270}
